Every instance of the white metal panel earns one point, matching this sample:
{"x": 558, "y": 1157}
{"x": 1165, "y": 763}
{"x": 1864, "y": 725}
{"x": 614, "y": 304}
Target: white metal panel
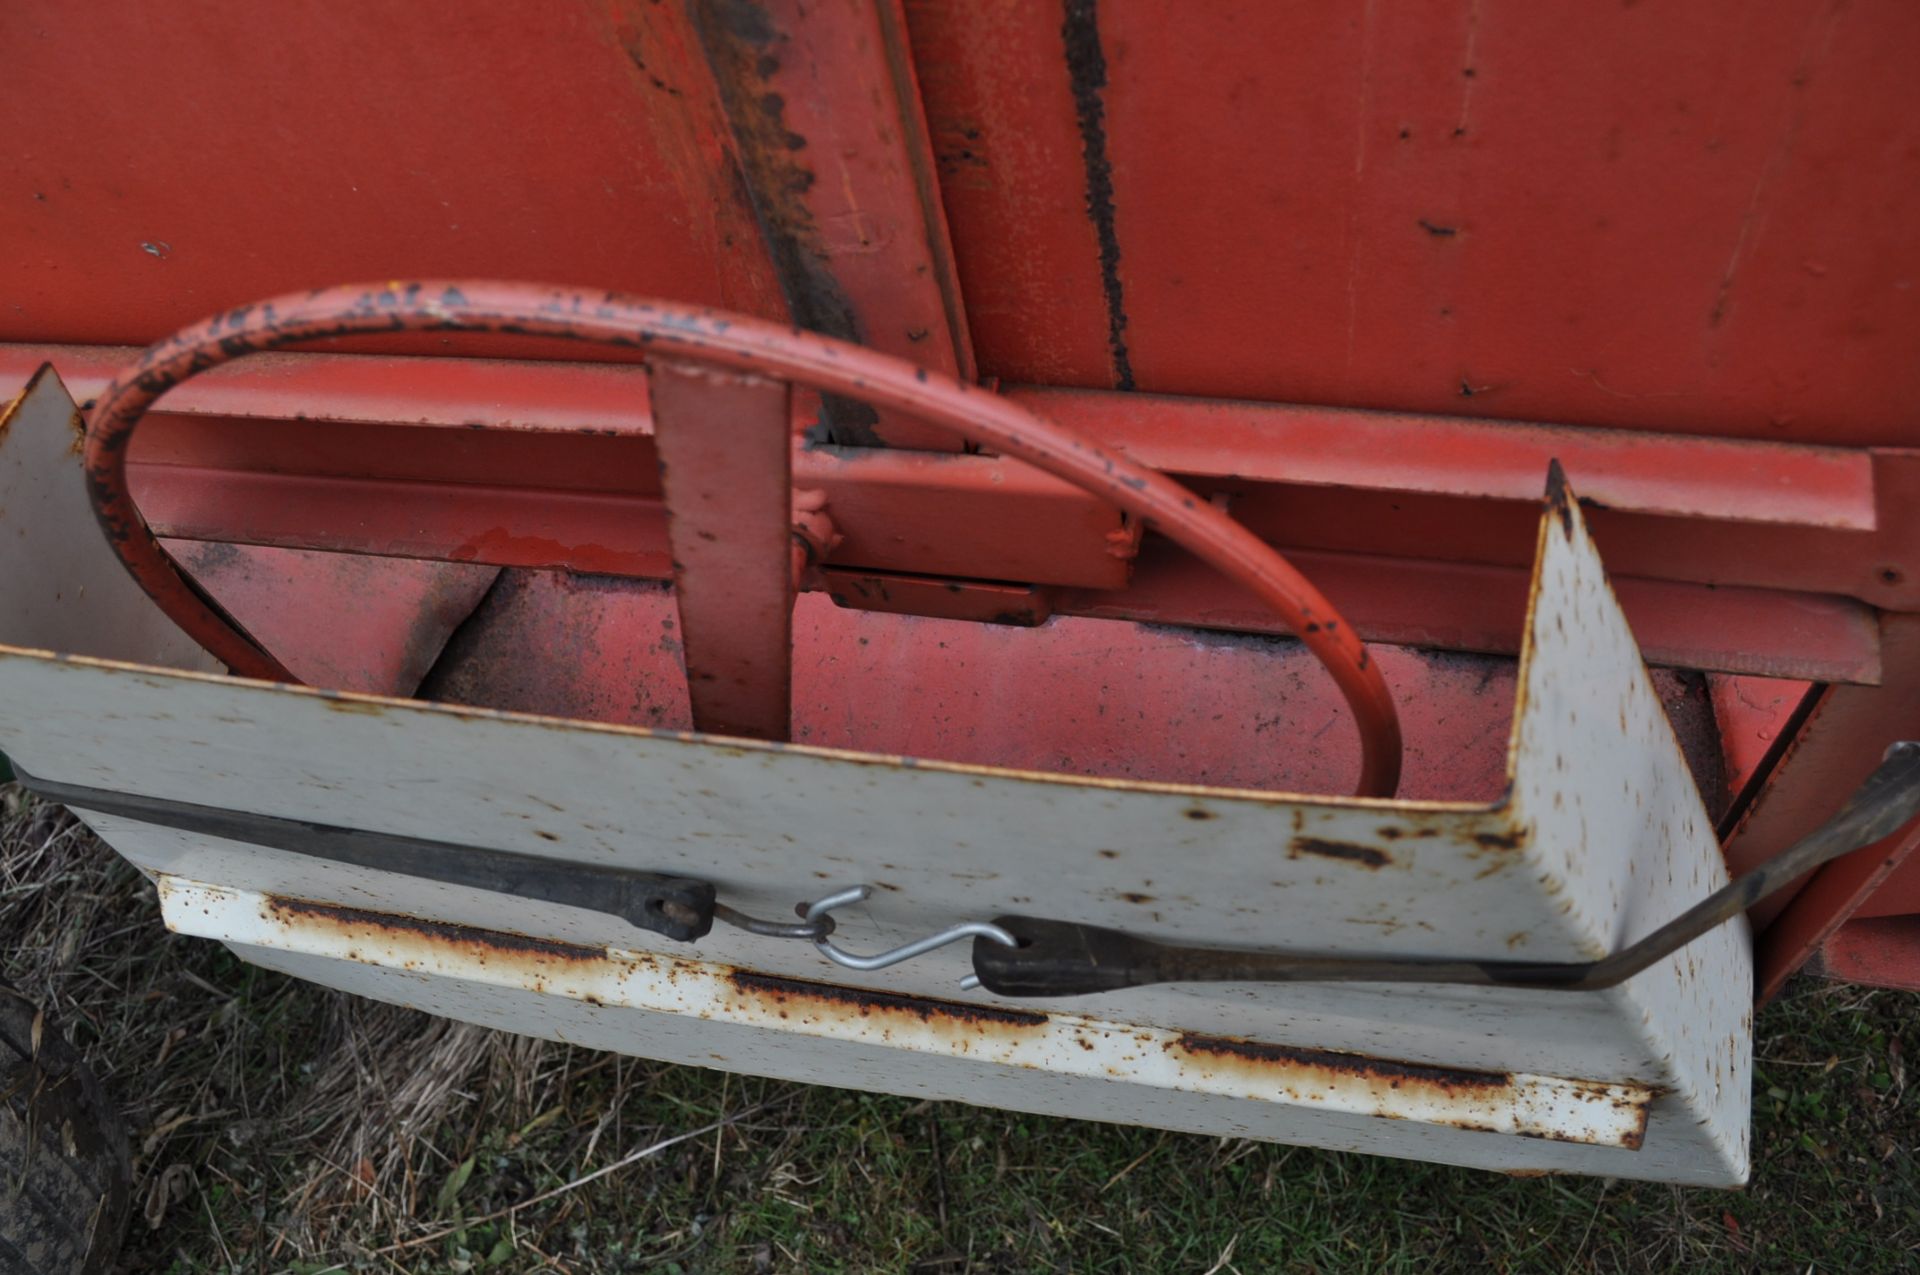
{"x": 1602, "y": 839}
{"x": 62, "y": 587}
{"x": 1588, "y": 792}
{"x": 1062, "y": 1044}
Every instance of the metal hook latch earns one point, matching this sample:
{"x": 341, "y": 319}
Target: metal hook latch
{"x": 818, "y": 910}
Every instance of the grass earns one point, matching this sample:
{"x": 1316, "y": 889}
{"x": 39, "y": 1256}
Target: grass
{"x": 280, "y": 1127}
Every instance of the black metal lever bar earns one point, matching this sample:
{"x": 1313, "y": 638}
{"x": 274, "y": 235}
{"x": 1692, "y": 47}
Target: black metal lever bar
{"x": 1043, "y": 957}
{"x": 679, "y": 907}
{"x": 1061, "y": 958}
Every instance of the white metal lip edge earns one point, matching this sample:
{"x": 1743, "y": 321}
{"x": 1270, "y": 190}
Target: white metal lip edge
{"x": 1587, "y": 1112}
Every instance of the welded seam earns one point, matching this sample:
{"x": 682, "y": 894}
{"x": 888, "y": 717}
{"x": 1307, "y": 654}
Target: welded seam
{"x": 1087, "y": 70}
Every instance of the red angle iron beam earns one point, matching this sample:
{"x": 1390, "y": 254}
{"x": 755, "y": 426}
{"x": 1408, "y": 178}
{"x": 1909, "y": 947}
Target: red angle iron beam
{"x": 382, "y": 455}
{"x": 1719, "y": 512}
{"x": 1843, "y": 738}
{"x": 1877, "y": 951}
{"x": 724, "y": 443}
{"x": 898, "y": 524}
{"x": 1756, "y": 718}
{"x": 1467, "y": 607}
{"x": 825, "y": 118}
{"x": 960, "y": 515}
{"x": 1827, "y": 906}
{"x": 1763, "y": 515}
{"x": 1412, "y": 454}
{"x": 735, "y": 344}
{"x": 1898, "y": 895}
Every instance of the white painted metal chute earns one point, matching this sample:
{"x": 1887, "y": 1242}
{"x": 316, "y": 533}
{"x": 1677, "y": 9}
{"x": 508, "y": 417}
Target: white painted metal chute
{"x": 1601, "y": 838}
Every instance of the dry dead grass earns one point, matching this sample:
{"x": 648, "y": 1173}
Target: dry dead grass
{"x": 280, "y": 1127}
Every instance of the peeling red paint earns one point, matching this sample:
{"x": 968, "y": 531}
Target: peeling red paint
{"x": 1365, "y": 856}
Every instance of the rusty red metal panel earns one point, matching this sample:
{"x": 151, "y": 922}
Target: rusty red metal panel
{"x": 500, "y": 394}
{"x": 1878, "y": 952}
{"x": 340, "y": 620}
{"x": 1843, "y": 738}
{"x": 1897, "y": 895}
{"x": 1110, "y": 699}
{"x": 1612, "y": 215}
{"x": 1826, "y": 904}
{"x": 1877, "y": 567}
{"x": 1757, "y": 717}
{"x": 1529, "y": 213}
{"x": 1073, "y": 696}
{"x": 1411, "y": 454}
{"x": 569, "y": 432}
{"x": 968, "y": 516}
{"x": 826, "y": 120}
{"x": 1845, "y": 734}
{"x": 1007, "y": 142}
{"x": 1464, "y": 607}
{"x": 937, "y": 596}
{"x": 569, "y": 645}
{"x": 1786, "y": 517}
{"x": 1772, "y": 515}
{"x": 209, "y": 154}
{"x": 724, "y": 441}
{"x": 965, "y": 515}
{"x": 740, "y": 346}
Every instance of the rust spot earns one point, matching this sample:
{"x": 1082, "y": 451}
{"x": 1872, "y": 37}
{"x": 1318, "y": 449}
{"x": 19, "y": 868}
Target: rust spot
{"x": 1366, "y": 856}
{"x": 478, "y": 941}
{"x": 1200, "y": 813}
{"x": 745, "y": 49}
{"x": 1134, "y": 896}
{"x": 1256, "y": 1055}
{"x": 361, "y": 707}
{"x": 1087, "y": 76}
{"x": 1559, "y": 499}
{"x": 1501, "y": 840}
{"x": 833, "y": 998}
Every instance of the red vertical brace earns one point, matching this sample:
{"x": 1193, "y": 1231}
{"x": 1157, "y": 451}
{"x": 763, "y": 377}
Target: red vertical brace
{"x": 1845, "y": 735}
{"x": 725, "y": 445}
{"x": 832, "y": 143}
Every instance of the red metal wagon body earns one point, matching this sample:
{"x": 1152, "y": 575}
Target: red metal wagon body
{"x": 1349, "y": 276}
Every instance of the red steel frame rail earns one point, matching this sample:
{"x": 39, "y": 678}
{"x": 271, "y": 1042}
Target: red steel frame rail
{"x": 532, "y": 464}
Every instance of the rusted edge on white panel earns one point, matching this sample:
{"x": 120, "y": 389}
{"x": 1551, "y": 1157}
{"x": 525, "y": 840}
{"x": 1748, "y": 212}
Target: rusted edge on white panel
{"x": 1591, "y": 1113}
{"x": 1595, "y": 767}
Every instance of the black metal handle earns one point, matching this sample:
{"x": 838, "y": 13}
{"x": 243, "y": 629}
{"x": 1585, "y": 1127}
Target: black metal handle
{"x": 678, "y": 907}
{"x": 1061, "y": 958}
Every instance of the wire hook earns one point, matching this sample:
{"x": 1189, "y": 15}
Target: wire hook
{"x": 818, "y": 910}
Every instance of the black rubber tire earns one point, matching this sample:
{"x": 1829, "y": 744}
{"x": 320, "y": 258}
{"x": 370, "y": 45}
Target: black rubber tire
{"x": 65, "y": 1177}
